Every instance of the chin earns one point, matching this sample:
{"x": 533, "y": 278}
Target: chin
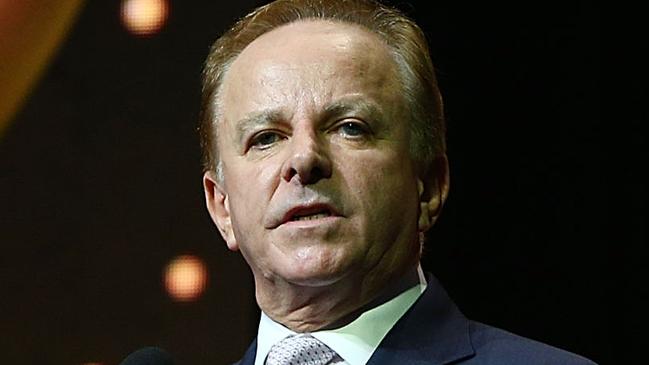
{"x": 313, "y": 273}
{"x": 314, "y": 280}
{"x": 313, "y": 264}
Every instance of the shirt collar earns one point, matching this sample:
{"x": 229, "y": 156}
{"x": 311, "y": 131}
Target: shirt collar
{"x": 269, "y": 333}
{"x": 355, "y": 342}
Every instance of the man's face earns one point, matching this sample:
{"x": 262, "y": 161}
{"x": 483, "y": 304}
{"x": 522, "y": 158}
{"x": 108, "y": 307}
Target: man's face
{"x": 318, "y": 182}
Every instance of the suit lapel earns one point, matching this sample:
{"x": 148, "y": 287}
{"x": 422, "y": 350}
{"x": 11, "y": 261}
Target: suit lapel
{"x": 249, "y": 356}
{"x": 433, "y": 331}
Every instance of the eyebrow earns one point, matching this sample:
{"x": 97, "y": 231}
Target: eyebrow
{"x": 256, "y": 119}
{"x": 354, "y": 106}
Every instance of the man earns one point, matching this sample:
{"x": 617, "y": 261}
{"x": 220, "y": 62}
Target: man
{"x": 325, "y": 164}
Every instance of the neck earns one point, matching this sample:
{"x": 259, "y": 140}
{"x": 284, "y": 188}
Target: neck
{"x": 308, "y": 309}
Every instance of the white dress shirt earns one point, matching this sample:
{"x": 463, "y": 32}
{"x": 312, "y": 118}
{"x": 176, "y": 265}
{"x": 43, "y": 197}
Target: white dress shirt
{"x": 354, "y": 343}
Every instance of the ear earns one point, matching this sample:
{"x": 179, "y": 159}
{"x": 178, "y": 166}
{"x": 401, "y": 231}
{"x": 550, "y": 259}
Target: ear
{"x": 432, "y": 185}
{"x": 218, "y": 205}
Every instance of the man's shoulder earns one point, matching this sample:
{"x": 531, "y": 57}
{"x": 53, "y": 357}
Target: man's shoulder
{"x": 493, "y": 345}
{"x": 434, "y": 331}
{"x": 249, "y": 355}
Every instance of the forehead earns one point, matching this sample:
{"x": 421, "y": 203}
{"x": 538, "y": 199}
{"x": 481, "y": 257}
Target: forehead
{"x": 308, "y": 56}
{"x": 300, "y": 41}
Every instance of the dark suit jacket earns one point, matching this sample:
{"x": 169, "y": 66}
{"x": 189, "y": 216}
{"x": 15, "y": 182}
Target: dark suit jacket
{"x": 434, "y": 332}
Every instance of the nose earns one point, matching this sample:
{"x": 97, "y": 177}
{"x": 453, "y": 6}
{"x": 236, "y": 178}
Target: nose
{"x": 308, "y": 161}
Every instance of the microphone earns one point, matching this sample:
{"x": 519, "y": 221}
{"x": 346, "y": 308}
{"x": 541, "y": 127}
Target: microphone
{"x": 148, "y": 356}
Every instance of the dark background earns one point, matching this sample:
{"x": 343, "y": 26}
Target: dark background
{"x": 100, "y": 186}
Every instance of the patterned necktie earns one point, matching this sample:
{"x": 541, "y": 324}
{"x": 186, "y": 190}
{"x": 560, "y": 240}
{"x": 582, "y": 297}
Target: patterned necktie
{"x": 300, "y": 350}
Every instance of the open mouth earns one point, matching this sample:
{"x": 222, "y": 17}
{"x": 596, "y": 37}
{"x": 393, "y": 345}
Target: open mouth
{"x": 309, "y": 217}
{"x": 309, "y": 214}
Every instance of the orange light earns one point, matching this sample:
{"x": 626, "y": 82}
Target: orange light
{"x": 185, "y": 278}
{"x": 144, "y": 17}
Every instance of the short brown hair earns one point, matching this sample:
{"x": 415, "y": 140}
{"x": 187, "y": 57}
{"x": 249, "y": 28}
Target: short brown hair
{"x": 403, "y": 37}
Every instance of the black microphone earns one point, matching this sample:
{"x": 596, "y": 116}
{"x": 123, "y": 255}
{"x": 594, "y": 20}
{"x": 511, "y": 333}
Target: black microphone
{"x": 148, "y": 356}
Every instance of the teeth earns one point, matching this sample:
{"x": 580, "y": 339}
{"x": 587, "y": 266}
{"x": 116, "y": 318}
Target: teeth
{"x": 311, "y": 217}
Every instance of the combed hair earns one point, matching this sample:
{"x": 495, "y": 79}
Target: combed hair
{"x": 404, "y": 38}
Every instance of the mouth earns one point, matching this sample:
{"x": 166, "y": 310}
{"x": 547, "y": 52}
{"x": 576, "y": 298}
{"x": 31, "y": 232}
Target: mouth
{"x": 309, "y": 213}
{"x": 310, "y": 217}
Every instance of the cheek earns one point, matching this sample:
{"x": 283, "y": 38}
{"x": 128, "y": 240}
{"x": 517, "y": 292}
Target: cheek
{"x": 251, "y": 186}
{"x": 385, "y": 188}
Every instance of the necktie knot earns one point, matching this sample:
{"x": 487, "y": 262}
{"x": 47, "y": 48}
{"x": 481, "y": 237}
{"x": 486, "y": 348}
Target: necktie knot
{"x": 300, "y": 350}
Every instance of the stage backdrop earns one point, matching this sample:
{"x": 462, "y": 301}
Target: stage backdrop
{"x": 106, "y": 245}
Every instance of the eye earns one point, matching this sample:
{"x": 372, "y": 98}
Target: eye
{"x": 265, "y": 139}
{"x": 352, "y": 129}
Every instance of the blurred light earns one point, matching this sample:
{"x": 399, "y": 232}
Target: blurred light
{"x": 144, "y": 17}
{"x": 185, "y": 278}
